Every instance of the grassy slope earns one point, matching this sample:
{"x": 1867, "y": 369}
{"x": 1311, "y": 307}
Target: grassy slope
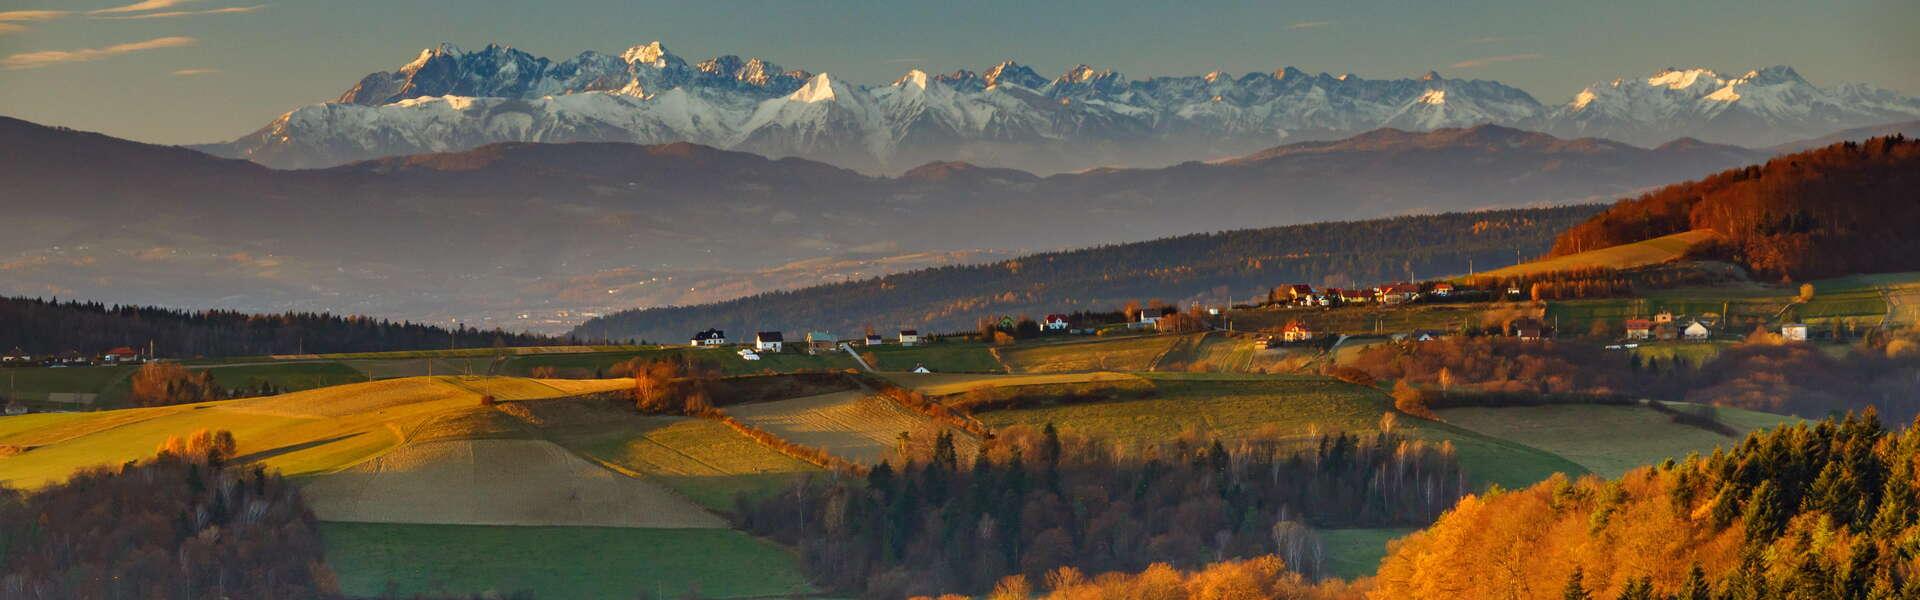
{"x": 1608, "y": 440}
{"x": 943, "y": 357}
{"x": 1133, "y": 353}
{"x": 300, "y": 433}
{"x": 707, "y": 462}
{"x": 373, "y": 559}
{"x": 1233, "y": 406}
{"x": 1353, "y": 553}
{"x": 1637, "y": 254}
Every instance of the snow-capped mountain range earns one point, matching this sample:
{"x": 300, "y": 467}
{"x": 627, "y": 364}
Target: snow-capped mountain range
{"x": 448, "y": 99}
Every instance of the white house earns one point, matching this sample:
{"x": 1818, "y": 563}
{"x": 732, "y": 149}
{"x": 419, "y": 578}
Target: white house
{"x": 1296, "y": 331}
{"x": 874, "y": 339}
{"x": 1696, "y": 332}
{"x": 1055, "y": 322}
{"x": 768, "y": 341}
{"x": 710, "y": 337}
{"x": 921, "y": 369}
{"x": 909, "y": 337}
{"x": 1794, "y": 332}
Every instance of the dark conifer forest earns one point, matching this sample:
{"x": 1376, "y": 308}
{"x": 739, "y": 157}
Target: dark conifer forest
{"x": 40, "y": 327}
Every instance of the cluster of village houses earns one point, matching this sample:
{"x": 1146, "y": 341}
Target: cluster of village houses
{"x": 123, "y": 355}
{"x": 815, "y": 341}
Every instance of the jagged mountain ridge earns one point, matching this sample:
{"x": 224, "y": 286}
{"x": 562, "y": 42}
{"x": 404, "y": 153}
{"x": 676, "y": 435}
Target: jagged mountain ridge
{"x": 448, "y": 99}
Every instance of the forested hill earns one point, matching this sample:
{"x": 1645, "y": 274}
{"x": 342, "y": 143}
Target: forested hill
{"x": 1230, "y": 266}
{"x": 41, "y": 327}
{"x": 1843, "y": 208}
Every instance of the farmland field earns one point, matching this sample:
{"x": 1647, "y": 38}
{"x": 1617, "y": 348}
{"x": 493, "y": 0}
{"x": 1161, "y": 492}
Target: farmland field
{"x": 496, "y": 482}
{"x": 939, "y": 357}
{"x": 1365, "y": 319}
{"x": 301, "y": 433}
{"x": 36, "y": 383}
{"x": 852, "y": 425}
{"x": 289, "y": 377}
{"x": 701, "y": 459}
{"x": 1138, "y": 353}
{"x": 1606, "y": 439}
{"x": 1230, "y": 408}
{"x": 378, "y": 559}
{"x": 1624, "y": 256}
{"x": 941, "y": 384}
{"x": 1852, "y": 302}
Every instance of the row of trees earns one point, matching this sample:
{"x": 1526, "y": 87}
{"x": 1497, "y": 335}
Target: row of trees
{"x": 1844, "y": 208}
{"x": 1760, "y": 374}
{"x": 1033, "y": 501}
{"x": 41, "y": 327}
{"x": 184, "y": 524}
{"x": 1828, "y": 510}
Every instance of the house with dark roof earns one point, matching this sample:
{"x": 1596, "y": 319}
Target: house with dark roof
{"x": 1527, "y": 328}
{"x": 710, "y": 337}
{"x": 909, "y": 337}
{"x": 768, "y": 341}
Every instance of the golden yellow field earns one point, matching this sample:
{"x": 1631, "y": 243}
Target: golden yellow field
{"x": 497, "y": 482}
{"x": 301, "y": 433}
{"x": 1637, "y": 254}
{"x": 852, "y": 425}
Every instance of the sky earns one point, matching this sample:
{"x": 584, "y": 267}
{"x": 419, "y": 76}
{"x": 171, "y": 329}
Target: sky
{"x": 193, "y": 71}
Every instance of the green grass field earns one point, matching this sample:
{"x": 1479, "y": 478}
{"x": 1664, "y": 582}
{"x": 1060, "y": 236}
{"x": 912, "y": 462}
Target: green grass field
{"x": 1855, "y": 302}
{"x": 1230, "y": 407}
{"x": 291, "y": 377}
{"x": 378, "y": 559}
{"x": 939, "y": 357}
{"x": 34, "y": 384}
{"x": 1637, "y": 254}
{"x": 1355, "y": 553}
{"x": 1608, "y": 440}
{"x": 1132, "y": 353}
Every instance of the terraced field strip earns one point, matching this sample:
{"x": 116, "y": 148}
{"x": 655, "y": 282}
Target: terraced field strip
{"x": 942, "y": 384}
{"x": 702, "y": 459}
{"x": 497, "y": 482}
{"x": 1137, "y": 353}
{"x": 852, "y": 425}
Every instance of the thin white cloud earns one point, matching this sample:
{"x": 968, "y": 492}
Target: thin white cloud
{"x": 10, "y": 21}
{"x": 1474, "y": 63}
{"x": 232, "y": 10}
{"x": 194, "y": 71}
{"x": 46, "y": 58}
{"x": 1309, "y": 24}
{"x": 142, "y": 6}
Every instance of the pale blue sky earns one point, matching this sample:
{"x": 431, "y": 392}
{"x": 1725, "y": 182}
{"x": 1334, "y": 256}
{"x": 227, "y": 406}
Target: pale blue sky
{"x": 213, "y": 76}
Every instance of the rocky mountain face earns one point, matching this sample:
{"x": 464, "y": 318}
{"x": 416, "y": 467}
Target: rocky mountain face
{"x": 543, "y": 235}
{"x": 1008, "y": 115}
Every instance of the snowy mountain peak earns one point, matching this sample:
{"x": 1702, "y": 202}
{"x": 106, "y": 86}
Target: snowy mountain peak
{"x": 649, "y": 54}
{"x": 820, "y": 89}
{"x": 449, "y": 99}
{"x": 1015, "y": 73}
{"x": 1681, "y": 79}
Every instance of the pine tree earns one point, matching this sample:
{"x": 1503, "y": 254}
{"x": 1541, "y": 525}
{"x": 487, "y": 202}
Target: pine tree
{"x": 1696, "y": 586}
{"x": 1576, "y": 587}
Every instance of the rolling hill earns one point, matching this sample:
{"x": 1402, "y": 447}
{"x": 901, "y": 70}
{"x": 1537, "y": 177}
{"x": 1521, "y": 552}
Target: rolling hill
{"x": 1220, "y": 268}
{"x": 524, "y": 235}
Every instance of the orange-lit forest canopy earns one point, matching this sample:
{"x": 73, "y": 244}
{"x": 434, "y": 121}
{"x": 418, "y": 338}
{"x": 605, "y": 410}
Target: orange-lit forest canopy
{"x": 1845, "y": 208}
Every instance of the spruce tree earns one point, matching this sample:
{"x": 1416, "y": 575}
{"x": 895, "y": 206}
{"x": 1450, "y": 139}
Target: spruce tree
{"x": 1576, "y": 587}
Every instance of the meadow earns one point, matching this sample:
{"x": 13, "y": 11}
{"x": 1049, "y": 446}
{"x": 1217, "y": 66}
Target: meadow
{"x": 401, "y": 560}
{"x": 1231, "y": 407}
{"x": 1132, "y": 353}
{"x": 703, "y": 460}
{"x": 1608, "y": 440}
{"x": 856, "y": 426}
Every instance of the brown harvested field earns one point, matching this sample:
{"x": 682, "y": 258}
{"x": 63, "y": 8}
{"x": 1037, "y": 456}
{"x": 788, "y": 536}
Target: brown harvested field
{"x": 497, "y": 482}
{"x": 852, "y": 425}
